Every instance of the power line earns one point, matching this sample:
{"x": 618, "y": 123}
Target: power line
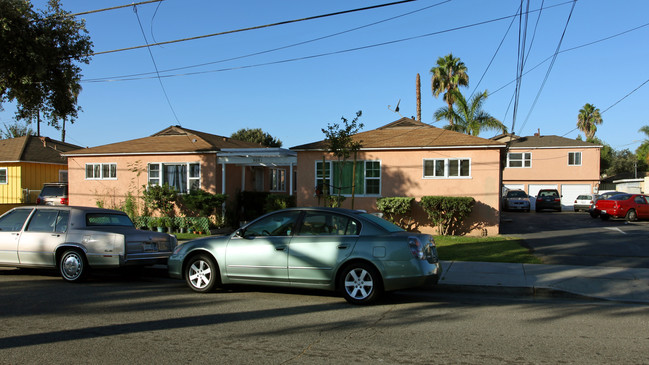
{"x": 155, "y": 65}
{"x": 282, "y": 47}
{"x": 255, "y": 27}
{"x": 326, "y": 53}
{"x": 115, "y": 7}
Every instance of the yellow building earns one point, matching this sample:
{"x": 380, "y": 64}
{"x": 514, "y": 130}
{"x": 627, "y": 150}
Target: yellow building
{"x": 25, "y": 164}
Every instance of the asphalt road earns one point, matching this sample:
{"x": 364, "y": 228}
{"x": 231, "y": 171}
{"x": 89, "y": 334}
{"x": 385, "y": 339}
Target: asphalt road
{"x": 152, "y": 319}
{"x": 570, "y": 238}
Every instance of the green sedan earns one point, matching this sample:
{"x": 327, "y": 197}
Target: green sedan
{"x": 353, "y": 252}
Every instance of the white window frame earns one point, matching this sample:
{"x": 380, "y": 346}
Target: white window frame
{"x": 447, "y": 163}
{"x": 526, "y": 159}
{"x": 366, "y": 178}
{"x": 6, "y": 176}
{"x": 98, "y": 171}
{"x": 574, "y": 154}
{"x": 160, "y": 165}
{"x": 278, "y": 180}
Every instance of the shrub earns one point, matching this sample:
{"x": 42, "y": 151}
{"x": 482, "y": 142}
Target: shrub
{"x": 202, "y": 203}
{"x": 161, "y": 198}
{"x": 397, "y": 210}
{"x": 334, "y": 201}
{"x": 278, "y": 201}
{"x": 446, "y": 212}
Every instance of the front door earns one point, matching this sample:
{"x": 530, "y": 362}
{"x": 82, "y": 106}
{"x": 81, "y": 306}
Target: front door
{"x": 46, "y": 229}
{"x": 260, "y": 253}
{"x": 11, "y": 225}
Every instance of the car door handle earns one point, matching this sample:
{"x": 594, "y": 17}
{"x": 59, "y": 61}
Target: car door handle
{"x": 343, "y": 247}
{"x": 56, "y": 235}
{"x": 280, "y": 248}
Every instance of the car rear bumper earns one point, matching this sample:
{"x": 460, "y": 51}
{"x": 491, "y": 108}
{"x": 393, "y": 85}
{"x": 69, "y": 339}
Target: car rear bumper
{"x": 428, "y": 277}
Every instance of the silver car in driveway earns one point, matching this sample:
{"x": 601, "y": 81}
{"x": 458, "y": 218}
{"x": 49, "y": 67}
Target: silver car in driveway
{"x": 356, "y": 253}
{"x": 76, "y": 239}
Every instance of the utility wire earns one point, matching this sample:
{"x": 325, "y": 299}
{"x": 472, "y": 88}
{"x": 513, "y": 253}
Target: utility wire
{"x": 282, "y": 47}
{"x": 547, "y": 74}
{"x": 155, "y": 66}
{"x": 325, "y": 54}
{"x": 114, "y": 8}
{"x": 255, "y": 27}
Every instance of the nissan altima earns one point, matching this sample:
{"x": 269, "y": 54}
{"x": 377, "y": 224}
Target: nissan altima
{"x": 353, "y": 252}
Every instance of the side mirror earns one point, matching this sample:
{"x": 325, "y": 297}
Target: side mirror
{"x": 240, "y": 233}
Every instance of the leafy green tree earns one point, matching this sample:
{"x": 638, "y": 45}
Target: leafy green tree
{"x": 39, "y": 68}
{"x": 16, "y": 130}
{"x": 588, "y": 119}
{"x": 449, "y": 74}
{"x": 606, "y": 154}
{"x": 340, "y": 142}
{"x": 469, "y": 117}
{"x": 625, "y": 162}
{"x": 256, "y": 135}
{"x": 643, "y": 150}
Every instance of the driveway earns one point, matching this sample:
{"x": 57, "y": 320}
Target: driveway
{"x": 570, "y": 238}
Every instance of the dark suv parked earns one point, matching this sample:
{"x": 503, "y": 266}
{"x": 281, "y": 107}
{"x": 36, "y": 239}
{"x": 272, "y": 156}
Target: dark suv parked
{"x": 548, "y": 199}
{"x": 53, "y": 194}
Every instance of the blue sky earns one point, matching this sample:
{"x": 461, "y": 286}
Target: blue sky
{"x": 365, "y": 60}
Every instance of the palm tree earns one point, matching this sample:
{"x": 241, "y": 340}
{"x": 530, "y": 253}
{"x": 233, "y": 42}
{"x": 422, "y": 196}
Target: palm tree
{"x": 449, "y": 74}
{"x": 469, "y": 117}
{"x": 588, "y": 119}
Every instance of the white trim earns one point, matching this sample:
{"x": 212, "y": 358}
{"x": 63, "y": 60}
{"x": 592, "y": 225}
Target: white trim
{"x": 446, "y": 175}
{"x": 101, "y": 170}
{"x": 138, "y": 154}
{"x": 522, "y": 160}
{"x": 580, "y": 158}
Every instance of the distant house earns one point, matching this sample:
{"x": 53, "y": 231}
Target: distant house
{"x": 179, "y": 157}
{"x": 25, "y": 164}
{"x": 551, "y": 162}
{"x": 410, "y": 159}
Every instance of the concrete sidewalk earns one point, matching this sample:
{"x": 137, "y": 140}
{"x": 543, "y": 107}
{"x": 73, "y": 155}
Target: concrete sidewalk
{"x": 609, "y": 283}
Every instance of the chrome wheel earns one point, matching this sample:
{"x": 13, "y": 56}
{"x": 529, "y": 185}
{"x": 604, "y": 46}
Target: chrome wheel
{"x": 631, "y": 215}
{"x": 361, "y": 284}
{"x": 201, "y": 274}
{"x": 72, "y": 266}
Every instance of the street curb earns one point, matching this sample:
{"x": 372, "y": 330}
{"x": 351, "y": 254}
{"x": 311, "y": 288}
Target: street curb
{"x": 512, "y": 290}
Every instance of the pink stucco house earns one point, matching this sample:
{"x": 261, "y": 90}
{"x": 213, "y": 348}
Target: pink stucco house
{"x": 412, "y": 159}
{"x": 550, "y": 162}
{"x": 180, "y": 157}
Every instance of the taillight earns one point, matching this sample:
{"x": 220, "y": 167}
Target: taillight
{"x": 64, "y": 201}
{"x": 416, "y": 248}
{"x": 38, "y": 201}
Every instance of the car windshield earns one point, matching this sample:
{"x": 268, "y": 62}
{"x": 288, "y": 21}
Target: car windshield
{"x": 516, "y": 194}
{"x": 583, "y": 197}
{"x": 52, "y": 190}
{"x": 390, "y": 227}
{"x": 548, "y": 193}
{"x": 620, "y": 197}
{"x": 108, "y": 219}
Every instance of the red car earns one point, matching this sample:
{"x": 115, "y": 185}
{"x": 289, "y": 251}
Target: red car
{"x": 628, "y": 206}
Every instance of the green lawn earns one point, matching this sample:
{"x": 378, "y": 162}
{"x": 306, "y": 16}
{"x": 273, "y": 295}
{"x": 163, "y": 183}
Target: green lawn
{"x": 486, "y": 249}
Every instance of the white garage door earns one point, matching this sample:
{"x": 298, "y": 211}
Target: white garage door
{"x": 508, "y": 187}
{"x": 533, "y": 191}
{"x": 569, "y": 192}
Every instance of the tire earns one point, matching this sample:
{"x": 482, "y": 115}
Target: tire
{"x": 360, "y": 284}
{"x": 73, "y": 266}
{"x": 202, "y": 273}
{"x": 631, "y": 215}
{"x": 604, "y": 217}
{"x": 594, "y": 214}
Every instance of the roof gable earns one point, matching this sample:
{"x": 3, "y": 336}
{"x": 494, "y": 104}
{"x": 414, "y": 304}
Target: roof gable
{"x": 407, "y": 133}
{"x": 34, "y": 149}
{"x": 538, "y": 141}
{"x": 173, "y": 139}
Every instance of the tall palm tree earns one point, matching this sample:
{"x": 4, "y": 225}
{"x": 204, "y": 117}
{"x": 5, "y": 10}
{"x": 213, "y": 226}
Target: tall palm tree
{"x": 469, "y": 117}
{"x": 449, "y": 74}
{"x": 588, "y": 119}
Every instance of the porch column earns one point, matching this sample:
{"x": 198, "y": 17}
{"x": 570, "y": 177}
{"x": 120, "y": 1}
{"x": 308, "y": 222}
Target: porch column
{"x": 243, "y": 178}
{"x": 290, "y": 179}
{"x": 223, "y": 178}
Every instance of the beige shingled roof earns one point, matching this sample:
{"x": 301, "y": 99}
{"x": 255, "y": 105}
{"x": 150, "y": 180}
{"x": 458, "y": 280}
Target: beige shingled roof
{"x": 408, "y": 133}
{"x": 174, "y": 139}
{"x": 34, "y": 149}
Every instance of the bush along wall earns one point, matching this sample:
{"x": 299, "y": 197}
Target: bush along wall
{"x": 397, "y": 210}
{"x": 447, "y": 213}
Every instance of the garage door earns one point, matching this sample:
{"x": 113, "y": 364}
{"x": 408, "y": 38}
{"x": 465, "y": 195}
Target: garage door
{"x": 569, "y": 192}
{"x": 533, "y": 191}
{"x": 508, "y": 187}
